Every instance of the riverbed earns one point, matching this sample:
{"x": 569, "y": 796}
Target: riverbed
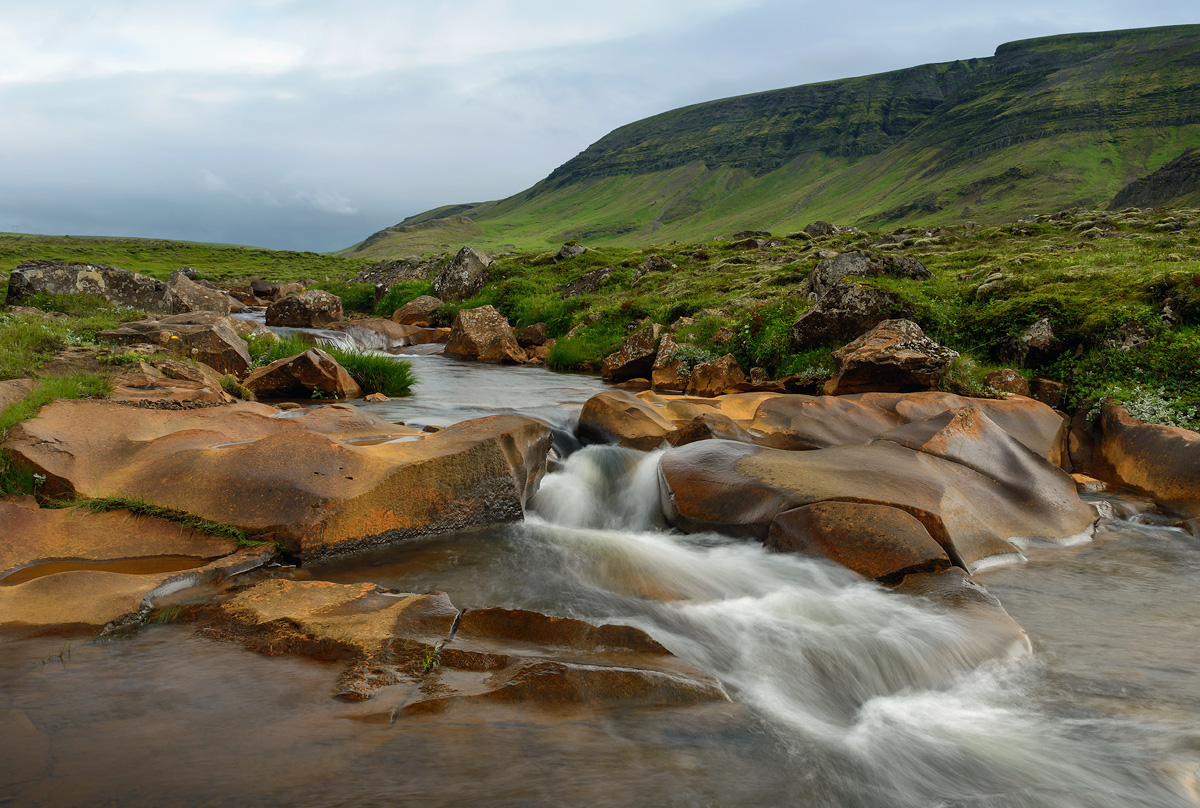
{"x": 843, "y": 693}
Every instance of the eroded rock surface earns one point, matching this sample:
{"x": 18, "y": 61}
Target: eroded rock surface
{"x": 1162, "y": 461}
{"x": 331, "y": 480}
{"x": 484, "y": 335}
{"x": 418, "y": 311}
{"x": 443, "y": 658}
{"x": 634, "y": 359}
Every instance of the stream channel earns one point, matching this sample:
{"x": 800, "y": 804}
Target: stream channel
{"x": 844, "y": 694}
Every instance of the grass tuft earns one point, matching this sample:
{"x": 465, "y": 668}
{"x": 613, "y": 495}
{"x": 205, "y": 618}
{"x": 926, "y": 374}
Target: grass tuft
{"x": 140, "y": 507}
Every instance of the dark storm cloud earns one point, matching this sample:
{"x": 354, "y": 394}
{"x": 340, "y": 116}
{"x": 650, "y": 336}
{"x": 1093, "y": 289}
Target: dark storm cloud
{"x": 308, "y": 126}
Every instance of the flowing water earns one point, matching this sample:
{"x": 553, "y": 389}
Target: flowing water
{"x": 844, "y": 694}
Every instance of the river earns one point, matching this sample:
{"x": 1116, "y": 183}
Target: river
{"x": 844, "y": 694}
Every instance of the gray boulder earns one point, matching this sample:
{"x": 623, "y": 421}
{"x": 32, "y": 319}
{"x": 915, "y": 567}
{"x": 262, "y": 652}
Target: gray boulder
{"x": 846, "y": 311}
{"x": 118, "y": 286}
{"x": 1038, "y": 344}
{"x": 588, "y": 282}
{"x": 859, "y": 264}
{"x": 188, "y": 296}
{"x": 653, "y": 263}
{"x": 463, "y": 277}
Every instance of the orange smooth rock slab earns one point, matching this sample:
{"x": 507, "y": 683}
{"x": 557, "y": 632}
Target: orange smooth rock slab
{"x": 1162, "y": 461}
{"x": 292, "y": 480}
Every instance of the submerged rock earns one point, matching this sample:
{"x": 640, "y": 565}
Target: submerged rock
{"x": 448, "y": 659}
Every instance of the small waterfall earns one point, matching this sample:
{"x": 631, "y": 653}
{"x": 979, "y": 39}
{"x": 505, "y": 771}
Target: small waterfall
{"x": 603, "y": 486}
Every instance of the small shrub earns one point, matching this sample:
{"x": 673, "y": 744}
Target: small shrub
{"x": 688, "y": 357}
{"x": 964, "y": 377}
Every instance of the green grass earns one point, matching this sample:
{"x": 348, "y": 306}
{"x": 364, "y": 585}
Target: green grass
{"x": 140, "y": 507}
{"x": 28, "y": 341}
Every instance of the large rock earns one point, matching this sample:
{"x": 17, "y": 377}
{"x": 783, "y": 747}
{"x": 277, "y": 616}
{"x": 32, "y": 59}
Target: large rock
{"x": 1038, "y": 345}
{"x": 446, "y": 659}
{"x": 848, "y": 310}
{"x": 207, "y": 337}
{"x": 463, "y": 277}
{"x": 483, "y": 334}
{"x": 969, "y": 483}
{"x": 617, "y": 416}
{"x": 1007, "y": 380}
{"x": 588, "y": 282}
{"x": 187, "y": 295}
{"x": 298, "y": 376}
{"x": 858, "y": 264}
{"x": 116, "y": 285}
{"x": 894, "y": 356}
{"x": 1162, "y": 461}
{"x": 159, "y": 390}
{"x": 819, "y": 422}
{"x": 309, "y": 482}
{"x": 311, "y": 309}
{"x": 532, "y": 336}
{"x": 634, "y": 359}
{"x": 418, "y": 311}
{"x": 653, "y": 263}
{"x": 668, "y": 371}
{"x": 718, "y": 377}
{"x": 876, "y": 541}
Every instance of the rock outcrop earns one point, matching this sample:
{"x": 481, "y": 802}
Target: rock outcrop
{"x": 309, "y": 482}
{"x": 310, "y": 309}
{"x": 118, "y": 286}
{"x": 846, "y": 311}
{"x": 894, "y": 356}
{"x": 188, "y": 296}
{"x": 484, "y": 335}
{"x": 858, "y": 264}
{"x": 463, "y": 277}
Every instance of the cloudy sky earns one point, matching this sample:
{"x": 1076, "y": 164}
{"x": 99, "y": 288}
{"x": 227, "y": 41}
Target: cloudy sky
{"x": 309, "y": 124}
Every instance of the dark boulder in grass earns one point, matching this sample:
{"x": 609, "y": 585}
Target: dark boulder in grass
{"x": 846, "y": 311}
{"x": 118, "y": 286}
{"x": 463, "y": 277}
{"x": 588, "y": 282}
{"x": 634, "y": 359}
{"x": 310, "y": 309}
{"x": 859, "y": 264}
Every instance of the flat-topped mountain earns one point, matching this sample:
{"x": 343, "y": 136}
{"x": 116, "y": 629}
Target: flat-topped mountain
{"x": 1044, "y": 124}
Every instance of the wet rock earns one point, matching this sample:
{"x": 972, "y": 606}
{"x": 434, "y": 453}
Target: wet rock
{"x": 298, "y": 376}
{"x": 653, "y": 263}
{"x": 305, "y": 482}
{"x": 484, "y": 335}
{"x": 636, "y": 357}
{"x": 1007, "y": 380}
{"x": 463, "y": 277}
{"x": 708, "y": 426}
{"x": 617, "y": 416}
{"x": 929, "y": 469}
{"x": 118, "y": 286}
{"x": 1038, "y": 345}
{"x": 876, "y": 541}
{"x": 715, "y": 378}
{"x": 894, "y": 356}
{"x": 186, "y": 295}
{"x": 488, "y": 655}
{"x": 846, "y": 311}
{"x": 533, "y": 335}
{"x": 207, "y": 337}
{"x": 418, "y": 311}
{"x": 588, "y": 282}
{"x": 1161, "y": 461}
{"x": 311, "y": 309}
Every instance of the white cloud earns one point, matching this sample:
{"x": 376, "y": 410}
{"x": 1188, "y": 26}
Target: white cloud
{"x": 326, "y": 201}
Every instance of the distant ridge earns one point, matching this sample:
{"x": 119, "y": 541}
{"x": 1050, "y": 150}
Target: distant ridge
{"x": 1044, "y": 124}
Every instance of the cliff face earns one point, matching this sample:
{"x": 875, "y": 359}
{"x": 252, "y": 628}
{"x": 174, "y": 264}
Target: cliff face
{"x": 1176, "y": 183}
{"x": 1042, "y": 125}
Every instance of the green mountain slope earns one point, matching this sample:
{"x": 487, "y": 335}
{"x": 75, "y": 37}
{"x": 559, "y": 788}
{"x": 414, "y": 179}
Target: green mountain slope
{"x": 1044, "y": 124}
